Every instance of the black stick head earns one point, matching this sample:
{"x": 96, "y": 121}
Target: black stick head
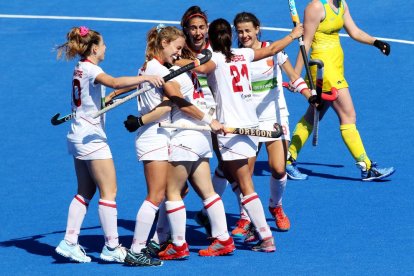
{"x": 55, "y": 120}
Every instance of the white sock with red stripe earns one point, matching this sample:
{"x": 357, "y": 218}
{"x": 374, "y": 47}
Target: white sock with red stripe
{"x": 215, "y": 211}
{"x": 219, "y": 184}
{"x": 143, "y": 224}
{"x": 108, "y": 216}
{"x": 177, "y": 217}
{"x": 236, "y": 190}
{"x": 277, "y": 188}
{"x": 76, "y": 215}
{"x": 254, "y": 208}
{"x": 163, "y": 231}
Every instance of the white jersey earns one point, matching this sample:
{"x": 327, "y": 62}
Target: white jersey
{"x": 230, "y": 82}
{"x": 153, "y": 97}
{"x": 192, "y": 92}
{"x": 267, "y": 86}
{"x": 202, "y": 78}
{"x": 87, "y": 99}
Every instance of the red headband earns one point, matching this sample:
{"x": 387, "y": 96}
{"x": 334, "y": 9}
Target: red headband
{"x": 194, "y": 15}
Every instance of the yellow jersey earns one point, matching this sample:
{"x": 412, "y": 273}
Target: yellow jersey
{"x": 327, "y": 47}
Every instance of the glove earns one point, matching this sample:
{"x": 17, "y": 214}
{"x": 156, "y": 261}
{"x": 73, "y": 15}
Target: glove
{"x": 316, "y": 102}
{"x": 132, "y": 123}
{"x": 384, "y": 47}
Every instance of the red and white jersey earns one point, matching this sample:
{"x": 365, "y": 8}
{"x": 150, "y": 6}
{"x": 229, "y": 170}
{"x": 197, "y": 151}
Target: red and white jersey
{"x": 231, "y": 83}
{"x": 193, "y": 93}
{"x": 153, "y": 97}
{"x": 87, "y": 99}
{"x": 267, "y": 86}
{"x": 202, "y": 78}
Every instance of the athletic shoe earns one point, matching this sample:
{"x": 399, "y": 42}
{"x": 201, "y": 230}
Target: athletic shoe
{"x": 174, "y": 252}
{"x": 293, "y": 172}
{"x": 203, "y": 220}
{"x": 374, "y": 173}
{"x": 155, "y": 248}
{"x": 141, "y": 259}
{"x": 218, "y": 248}
{"x": 282, "y": 221}
{"x": 266, "y": 245}
{"x": 74, "y": 252}
{"x": 242, "y": 227}
{"x": 251, "y": 235}
{"x": 116, "y": 254}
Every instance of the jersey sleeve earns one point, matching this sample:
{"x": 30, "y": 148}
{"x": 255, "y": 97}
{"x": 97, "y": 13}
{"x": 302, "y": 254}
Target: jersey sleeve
{"x": 249, "y": 54}
{"x": 94, "y": 72}
{"x": 281, "y": 57}
{"x": 215, "y": 58}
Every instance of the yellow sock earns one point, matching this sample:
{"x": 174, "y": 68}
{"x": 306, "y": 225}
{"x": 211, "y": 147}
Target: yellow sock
{"x": 353, "y": 141}
{"x": 301, "y": 133}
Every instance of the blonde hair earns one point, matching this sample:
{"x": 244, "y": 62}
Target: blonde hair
{"x": 79, "y": 42}
{"x": 155, "y": 37}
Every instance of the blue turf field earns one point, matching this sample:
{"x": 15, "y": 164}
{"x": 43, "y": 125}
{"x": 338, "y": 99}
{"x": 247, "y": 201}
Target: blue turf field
{"x": 340, "y": 225}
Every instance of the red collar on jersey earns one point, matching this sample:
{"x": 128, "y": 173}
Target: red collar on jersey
{"x": 159, "y": 60}
{"x": 87, "y": 60}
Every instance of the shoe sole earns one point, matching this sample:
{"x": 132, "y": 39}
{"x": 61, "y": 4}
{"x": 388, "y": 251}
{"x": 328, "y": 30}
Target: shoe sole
{"x": 282, "y": 229}
{"x": 265, "y": 250}
{"x": 138, "y": 264}
{"x": 239, "y": 235}
{"x": 174, "y": 258}
{"x": 296, "y": 178}
{"x": 378, "y": 178}
{"x": 111, "y": 259}
{"x": 220, "y": 253}
{"x": 62, "y": 253}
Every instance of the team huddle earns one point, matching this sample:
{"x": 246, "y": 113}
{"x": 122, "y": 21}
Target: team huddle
{"x": 231, "y": 88}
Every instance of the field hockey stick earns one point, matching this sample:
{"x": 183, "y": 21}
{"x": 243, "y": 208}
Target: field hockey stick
{"x": 173, "y": 74}
{"x": 319, "y": 84}
{"x": 295, "y": 19}
{"x": 57, "y": 121}
{"x": 233, "y": 130}
{"x": 327, "y": 96}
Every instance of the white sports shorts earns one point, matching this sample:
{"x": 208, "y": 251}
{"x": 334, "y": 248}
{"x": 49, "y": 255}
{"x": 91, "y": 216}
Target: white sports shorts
{"x": 268, "y": 125}
{"x": 235, "y": 147}
{"x": 190, "y": 147}
{"x": 151, "y": 143}
{"x": 90, "y": 151}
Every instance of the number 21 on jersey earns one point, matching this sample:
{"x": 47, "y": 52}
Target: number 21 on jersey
{"x": 239, "y": 77}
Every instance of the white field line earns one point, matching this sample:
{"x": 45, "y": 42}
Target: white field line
{"x": 109, "y": 19}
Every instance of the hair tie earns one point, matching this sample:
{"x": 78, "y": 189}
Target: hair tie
{"x": 160, "y": 27}
{"x": 84, "y": 31}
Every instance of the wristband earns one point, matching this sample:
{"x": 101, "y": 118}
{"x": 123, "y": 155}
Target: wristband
{"x": 140, "y": 122}
{"x": 207, "y": 119}
{"x": 299, "y": 85}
